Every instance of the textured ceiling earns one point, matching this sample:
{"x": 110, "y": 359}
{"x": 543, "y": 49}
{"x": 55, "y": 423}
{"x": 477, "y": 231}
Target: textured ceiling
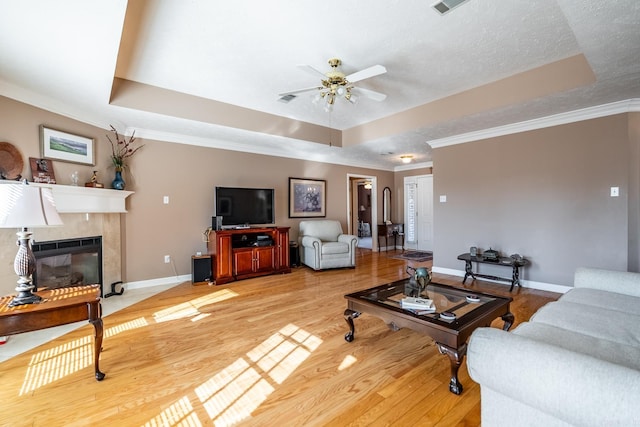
{"x": 227, "y": 61}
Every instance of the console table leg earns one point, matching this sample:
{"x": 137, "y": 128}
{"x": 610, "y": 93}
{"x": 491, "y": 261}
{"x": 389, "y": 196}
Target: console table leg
{"x": 349, "y": 315}
{"x": 468, "y": 271}
{"x": 508, "y": 321}
{"x": 455, "y": 358}
{"x": 515, "y": 277}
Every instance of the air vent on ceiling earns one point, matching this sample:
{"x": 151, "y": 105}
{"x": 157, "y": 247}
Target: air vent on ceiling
{"x": 286, "y": 98}
{"x": 446, "y": 6}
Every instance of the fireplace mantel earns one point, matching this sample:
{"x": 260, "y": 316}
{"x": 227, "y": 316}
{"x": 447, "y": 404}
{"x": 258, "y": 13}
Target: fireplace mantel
{"x": 73, "y": 199}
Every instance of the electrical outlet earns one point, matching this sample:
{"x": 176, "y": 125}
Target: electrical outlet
{"x": 167, "y": 259}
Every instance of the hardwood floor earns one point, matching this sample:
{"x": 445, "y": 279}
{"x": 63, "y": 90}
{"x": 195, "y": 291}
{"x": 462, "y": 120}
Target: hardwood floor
{"x": 268, "y": 351}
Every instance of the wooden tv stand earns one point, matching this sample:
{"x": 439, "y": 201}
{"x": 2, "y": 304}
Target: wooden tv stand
{"x": 238, "y": 254}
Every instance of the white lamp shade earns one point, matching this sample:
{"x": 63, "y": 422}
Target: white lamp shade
{"x": 23, "y": 205}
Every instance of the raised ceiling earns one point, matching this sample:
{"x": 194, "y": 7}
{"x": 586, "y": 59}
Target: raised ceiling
{"x": 208, "y": 72}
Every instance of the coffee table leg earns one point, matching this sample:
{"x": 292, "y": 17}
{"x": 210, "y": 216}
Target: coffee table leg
{"x": 508, "y": 321}
{"x": 349, "y": 315}
{"x": 455, "y": 358}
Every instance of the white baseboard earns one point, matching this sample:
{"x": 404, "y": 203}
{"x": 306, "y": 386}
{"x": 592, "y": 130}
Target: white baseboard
{"x": 157, "y": 282}
{"x": 541, "y": 286}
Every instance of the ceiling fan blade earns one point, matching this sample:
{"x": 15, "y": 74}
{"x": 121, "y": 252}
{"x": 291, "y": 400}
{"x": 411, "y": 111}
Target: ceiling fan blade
{"x": 376, "y": 70}
{"x": 309, "y": 69}
{"x": 371, "y": 94}
{"x": 294, "y": 92}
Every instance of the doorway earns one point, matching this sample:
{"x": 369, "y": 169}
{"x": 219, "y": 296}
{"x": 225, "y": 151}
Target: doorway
{"x": 362, "y": 212}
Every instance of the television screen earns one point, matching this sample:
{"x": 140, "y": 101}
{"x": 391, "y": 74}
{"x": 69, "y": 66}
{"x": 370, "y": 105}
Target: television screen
{"x": 245, "y": 206}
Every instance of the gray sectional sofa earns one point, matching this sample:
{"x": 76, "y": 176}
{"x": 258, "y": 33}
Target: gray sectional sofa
{"x": 576, "y": 362}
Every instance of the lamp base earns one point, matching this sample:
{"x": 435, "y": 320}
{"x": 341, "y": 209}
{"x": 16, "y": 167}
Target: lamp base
{"x": 25, "y": 297}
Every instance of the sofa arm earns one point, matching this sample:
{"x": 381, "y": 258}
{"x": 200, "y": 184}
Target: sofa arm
{"x": 622, "y": 282}
{"x": 572, "y": 387}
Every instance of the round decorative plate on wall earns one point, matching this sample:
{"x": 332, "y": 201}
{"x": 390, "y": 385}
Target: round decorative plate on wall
{"x": 11, "y": 162}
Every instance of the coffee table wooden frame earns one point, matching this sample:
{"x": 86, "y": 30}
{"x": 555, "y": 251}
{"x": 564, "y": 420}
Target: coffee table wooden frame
{"x": 450, "y": 337}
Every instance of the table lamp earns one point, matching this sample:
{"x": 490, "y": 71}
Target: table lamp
{"x": 25, "y": 206}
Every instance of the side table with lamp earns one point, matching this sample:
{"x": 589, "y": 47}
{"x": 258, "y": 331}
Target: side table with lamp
{"x": 23, "y": 206}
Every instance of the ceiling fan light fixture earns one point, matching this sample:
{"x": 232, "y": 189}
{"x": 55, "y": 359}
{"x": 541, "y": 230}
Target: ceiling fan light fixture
{"x": 406, "y": 159}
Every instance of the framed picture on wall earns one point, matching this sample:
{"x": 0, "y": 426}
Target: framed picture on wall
{"x": 307, "y": 198}
{"x": 58, "y": 145}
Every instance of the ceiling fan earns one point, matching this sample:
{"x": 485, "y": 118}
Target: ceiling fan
{"x": 334, "y": 83}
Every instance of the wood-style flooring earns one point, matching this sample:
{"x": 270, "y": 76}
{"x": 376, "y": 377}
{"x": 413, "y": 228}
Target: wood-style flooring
{"x": 267, "y": 351}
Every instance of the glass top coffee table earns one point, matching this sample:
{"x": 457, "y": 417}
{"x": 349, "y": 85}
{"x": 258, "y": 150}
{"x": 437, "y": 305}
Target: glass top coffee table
{"x": 470, "y": 310}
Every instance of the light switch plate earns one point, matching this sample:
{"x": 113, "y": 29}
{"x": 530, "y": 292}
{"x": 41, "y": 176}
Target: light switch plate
{"x": 443, "y": 198}
{"x": 615, "y": 191}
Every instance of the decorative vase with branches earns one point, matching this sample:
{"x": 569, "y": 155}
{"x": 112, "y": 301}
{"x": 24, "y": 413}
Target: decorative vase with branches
{"x": 121, "y": 149}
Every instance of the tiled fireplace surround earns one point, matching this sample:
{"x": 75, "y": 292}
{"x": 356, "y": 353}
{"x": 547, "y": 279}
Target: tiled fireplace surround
{"x": 85, "y": 212}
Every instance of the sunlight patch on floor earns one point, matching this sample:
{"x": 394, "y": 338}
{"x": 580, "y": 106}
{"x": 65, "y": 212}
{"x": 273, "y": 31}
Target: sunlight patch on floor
{"x": 190, "y": 308}
{"x": 179, "y": 414}
{"x": 234, "y": 393}
{"x": 346, "y": 362}
{"x": 53, "y": 364}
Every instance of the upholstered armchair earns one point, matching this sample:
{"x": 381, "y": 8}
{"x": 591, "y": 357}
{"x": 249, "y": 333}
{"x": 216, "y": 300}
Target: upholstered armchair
{"x": 323, "y": 245}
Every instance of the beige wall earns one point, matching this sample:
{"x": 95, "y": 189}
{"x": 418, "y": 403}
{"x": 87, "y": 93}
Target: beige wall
{"x": 543, "y": 194}
{"x": 185, "y": 173}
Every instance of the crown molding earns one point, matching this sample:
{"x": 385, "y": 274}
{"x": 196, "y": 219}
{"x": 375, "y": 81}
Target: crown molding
{"x": 619, "y": 107}
{"x": 413, "y": 166}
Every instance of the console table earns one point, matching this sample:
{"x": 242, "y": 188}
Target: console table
{"x": 501, "y": 261}
{"x": 58, "y": 307}
{"x": 390, "y": 230}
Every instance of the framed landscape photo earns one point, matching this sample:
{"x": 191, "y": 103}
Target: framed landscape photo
{"x": 307, "y": 198}
{"x": 67, "y": 147}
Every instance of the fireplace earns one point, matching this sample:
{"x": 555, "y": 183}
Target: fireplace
{"x": 68, "y": 262}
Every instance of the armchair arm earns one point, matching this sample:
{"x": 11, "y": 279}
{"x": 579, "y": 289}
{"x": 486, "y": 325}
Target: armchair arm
{"x": 352, "y": 241}
{"x": 310, "y": 241}
{"x": 348, "y": 238}
{"x": 570, "y": 386}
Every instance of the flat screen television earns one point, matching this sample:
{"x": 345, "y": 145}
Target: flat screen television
{"x": 245, "y": 206}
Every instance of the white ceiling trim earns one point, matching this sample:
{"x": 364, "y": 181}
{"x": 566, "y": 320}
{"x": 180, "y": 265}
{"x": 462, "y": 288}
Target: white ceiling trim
{"x": 626, "y": 106}
{"x": 43, "y": 102}
{"x": 413, "y": 166}
{"x": 249, "y": 148}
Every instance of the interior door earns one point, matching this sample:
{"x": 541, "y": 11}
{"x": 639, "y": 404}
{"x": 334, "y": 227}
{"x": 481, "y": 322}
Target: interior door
{"x": 418, "y": 208}
{"x": 424, "y": 212}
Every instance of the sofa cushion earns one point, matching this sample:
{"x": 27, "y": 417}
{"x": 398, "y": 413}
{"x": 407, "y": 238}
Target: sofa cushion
{"x": 329, "y": 248}
{"x": 618, "y": 353}
{"x": 604, "y": 299}
{"x": 598, "y": 322}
